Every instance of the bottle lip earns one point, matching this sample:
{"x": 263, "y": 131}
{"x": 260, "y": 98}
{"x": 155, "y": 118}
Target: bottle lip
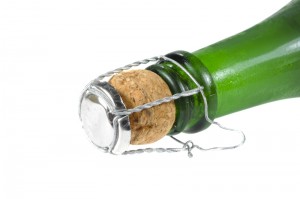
{"x": 107, "y": 131}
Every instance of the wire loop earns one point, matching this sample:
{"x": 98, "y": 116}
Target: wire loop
{"x": 188, "y": 145}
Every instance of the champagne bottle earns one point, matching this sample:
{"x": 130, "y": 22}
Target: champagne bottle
{"x": 256, "y": 66}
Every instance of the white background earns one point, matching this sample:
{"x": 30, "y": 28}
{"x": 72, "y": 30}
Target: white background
{"x": 50, "y": 49}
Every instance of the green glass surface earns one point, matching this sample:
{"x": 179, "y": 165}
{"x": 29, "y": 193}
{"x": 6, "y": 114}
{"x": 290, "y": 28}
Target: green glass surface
{"x": 259, "y": 65}
{"x": 256, "y": 66}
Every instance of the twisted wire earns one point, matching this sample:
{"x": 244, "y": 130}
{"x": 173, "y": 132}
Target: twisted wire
{"x": 151, "y": 150}
{"x": 129, "y": 66}
{"x": 186, "y": 146}
{"x": 157, "y": 102}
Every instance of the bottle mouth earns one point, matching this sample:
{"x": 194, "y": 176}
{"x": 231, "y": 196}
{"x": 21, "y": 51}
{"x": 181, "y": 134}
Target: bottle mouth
{"x": 107, "y": 131}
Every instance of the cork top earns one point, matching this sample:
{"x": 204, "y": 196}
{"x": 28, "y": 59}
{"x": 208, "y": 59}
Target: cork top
{"x": 138, "y": 87}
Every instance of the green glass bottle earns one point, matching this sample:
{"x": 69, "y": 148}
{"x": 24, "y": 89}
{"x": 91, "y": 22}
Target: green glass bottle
{"x": 259, "y": 65}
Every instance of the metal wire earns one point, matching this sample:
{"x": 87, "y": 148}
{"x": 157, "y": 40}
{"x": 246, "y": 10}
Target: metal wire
{"x": 188, "y": 145}
{"x": 129, "y": 66}
{"x": 157, "y": 102}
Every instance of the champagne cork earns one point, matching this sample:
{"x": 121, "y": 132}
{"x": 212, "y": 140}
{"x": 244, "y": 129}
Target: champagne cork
{"x": 138, "y": 87}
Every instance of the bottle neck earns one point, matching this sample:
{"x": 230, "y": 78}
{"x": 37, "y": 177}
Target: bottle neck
{"x": 189, "y": 110}
{"x": 259, "y": 65}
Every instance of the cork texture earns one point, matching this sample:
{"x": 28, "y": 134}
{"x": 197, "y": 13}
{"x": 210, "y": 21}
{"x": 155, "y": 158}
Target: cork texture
{"x": 138, "y": 87}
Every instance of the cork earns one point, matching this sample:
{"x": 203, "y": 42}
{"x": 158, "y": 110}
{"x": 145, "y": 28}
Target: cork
{"x": 138, "y": 87}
